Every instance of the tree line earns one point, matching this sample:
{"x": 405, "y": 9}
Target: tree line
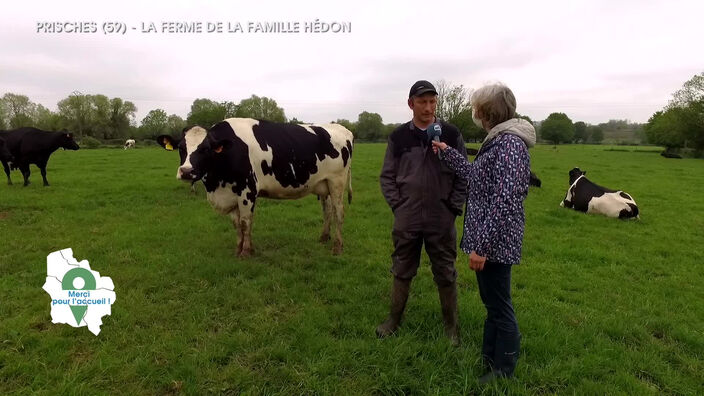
{"x": 679, "y": 125}
{"x": 104, "y": 118}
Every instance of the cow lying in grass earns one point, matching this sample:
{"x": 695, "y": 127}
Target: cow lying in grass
{"x": 585, "y": 196}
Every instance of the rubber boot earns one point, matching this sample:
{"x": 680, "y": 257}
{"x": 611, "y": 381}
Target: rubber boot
{"x": 505, "y": 359}
{"x": 399, "y": 296}
{"x": 489, "y": 345}
{"x": 448, "y": 302}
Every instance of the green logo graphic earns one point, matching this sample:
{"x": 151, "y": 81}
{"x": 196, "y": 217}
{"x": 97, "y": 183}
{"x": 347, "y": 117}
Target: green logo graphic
{"x": 78, "y": 279}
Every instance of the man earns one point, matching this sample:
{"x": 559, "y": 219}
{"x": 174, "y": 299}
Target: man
{"x": 425, "y": 197}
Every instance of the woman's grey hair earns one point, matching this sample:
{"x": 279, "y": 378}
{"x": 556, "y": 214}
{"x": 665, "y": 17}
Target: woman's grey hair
{"x": 494, "y": 103}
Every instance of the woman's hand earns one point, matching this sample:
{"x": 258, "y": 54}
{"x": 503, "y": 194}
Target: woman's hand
{"x": 438, "y": 146}
{"x": 476, "y": 262}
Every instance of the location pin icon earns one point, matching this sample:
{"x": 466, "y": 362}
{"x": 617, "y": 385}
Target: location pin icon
{"x": 72, "y": 281}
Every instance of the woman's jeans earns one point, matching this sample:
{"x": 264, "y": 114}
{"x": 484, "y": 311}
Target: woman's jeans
{"x": 501, "y": 336}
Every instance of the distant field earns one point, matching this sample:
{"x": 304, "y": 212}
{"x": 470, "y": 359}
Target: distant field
{"x": 605, "y": 306}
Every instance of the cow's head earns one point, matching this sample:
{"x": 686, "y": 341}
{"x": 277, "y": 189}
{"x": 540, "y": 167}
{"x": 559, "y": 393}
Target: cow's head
{"x": 5, "y": 154}
{"x": 66, "y": 141}
{"x": 209, "y": 153}
{"x": 191, "y": 137}
{"x": 575, "y": 174}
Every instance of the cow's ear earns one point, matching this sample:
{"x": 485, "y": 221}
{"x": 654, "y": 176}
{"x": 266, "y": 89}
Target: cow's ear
{"x": 221, "y": 146}
{"x": 167, "y": 142}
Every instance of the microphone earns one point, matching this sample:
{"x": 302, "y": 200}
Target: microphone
{"x": 434, "y": 131}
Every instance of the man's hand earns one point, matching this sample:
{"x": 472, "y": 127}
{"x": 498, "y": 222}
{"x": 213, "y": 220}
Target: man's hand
{"x": 476, "y": 262}
{"x": 438, "y": 145}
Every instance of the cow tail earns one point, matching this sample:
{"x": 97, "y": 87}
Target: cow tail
{"x": 349, "y": 186}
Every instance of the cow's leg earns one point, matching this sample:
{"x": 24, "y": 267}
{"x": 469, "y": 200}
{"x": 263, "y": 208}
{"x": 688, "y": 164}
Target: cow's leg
{"x": 42, "y": 169}
{"x": 24, "y": 168}
{"x": 337, "y": 192}
{"x": 246, "y": 217}
{"x": 6, "y": 167}
{"x": 193, "y": 187}
{"x": 235, "y": 216}
{"x": 325, "y": 201}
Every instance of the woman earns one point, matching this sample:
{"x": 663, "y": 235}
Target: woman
{"x": 495, "y": 219}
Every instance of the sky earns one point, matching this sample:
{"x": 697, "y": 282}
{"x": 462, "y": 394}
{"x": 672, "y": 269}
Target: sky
{"x": 593, "y": 60}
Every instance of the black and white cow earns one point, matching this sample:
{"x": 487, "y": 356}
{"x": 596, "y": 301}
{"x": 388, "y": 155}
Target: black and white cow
{"x": 33, "y": 146}
{"x": 129, "y": 143}
{"x": 585, "y": 196}
{"x": 241, "y": 160}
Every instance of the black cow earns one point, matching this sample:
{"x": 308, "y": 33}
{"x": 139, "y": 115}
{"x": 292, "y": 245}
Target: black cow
{"x": 585, "y": 196}
{"x": 5, "y": 154}
{"x": 668, "y": 154}
{"x": 33, "y": 146}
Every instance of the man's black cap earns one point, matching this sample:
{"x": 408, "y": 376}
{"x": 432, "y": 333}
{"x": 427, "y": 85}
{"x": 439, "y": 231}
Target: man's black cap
{"x": 421, "y": 87}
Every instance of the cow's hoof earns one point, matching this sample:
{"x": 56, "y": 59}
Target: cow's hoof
{"x": 246, "y": 253}
{"x": 337, "y": 248}
{"x": 324, "y": 238}
{"x": 46, "y": 184}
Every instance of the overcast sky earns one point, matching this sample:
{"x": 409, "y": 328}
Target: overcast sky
{"x": 593, "y": 60}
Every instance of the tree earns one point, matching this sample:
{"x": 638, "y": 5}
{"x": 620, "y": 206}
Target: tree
{"x": 47, "y": 120}
{"x": 3, "y": 115}
{"x": 452, "y": 100}
{"x": 97, "y": 115}
{"x": 122, "y": 117}
{"x": 18, "y": 109}
{"x": 692, "y": 91}
{"x": 453, "y": 106}
{"x": 296, "y": 121}
{"x": 557, "y": 128}
{"x": 261, "y": 108}
{"x": 681, "y": 122}
{"x": 525, "y": 117}
{"x": 370, "y": 126}
{"x": 206, "y": 112}
{"x": 175, "y": 124}
{"x": 595, "y": 134}
{"x": 155, "y": 123}
{"x": 347, "y": 124}
{"x": 581, "y": 134}
{"x": 75, "y": 112}
{"x": 388, "y": 130}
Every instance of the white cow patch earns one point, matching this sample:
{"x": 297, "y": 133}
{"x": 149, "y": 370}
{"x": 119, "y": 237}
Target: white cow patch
{"x": 610, "y": 204}
{"x": 194, "y": 137}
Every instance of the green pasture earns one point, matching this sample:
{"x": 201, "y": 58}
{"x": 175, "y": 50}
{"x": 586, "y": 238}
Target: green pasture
{"x": 605, "y": 306}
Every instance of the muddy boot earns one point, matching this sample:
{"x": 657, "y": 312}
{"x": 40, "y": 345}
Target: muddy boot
{"x": 505, "y": 359}
{"x": 488, "y": 345}
{"x": 399, "y": 296}
{"x": 448, "y": 302}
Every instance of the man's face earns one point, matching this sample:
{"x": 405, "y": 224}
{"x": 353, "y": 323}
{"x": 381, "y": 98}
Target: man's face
{"x": 423, "y": 107}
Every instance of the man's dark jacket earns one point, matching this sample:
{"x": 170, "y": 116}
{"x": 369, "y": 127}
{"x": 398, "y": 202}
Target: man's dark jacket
{"x": 421, "y": 191}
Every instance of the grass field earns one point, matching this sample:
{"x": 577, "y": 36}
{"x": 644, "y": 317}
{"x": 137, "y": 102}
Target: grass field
{"x": 605, "y": 306}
